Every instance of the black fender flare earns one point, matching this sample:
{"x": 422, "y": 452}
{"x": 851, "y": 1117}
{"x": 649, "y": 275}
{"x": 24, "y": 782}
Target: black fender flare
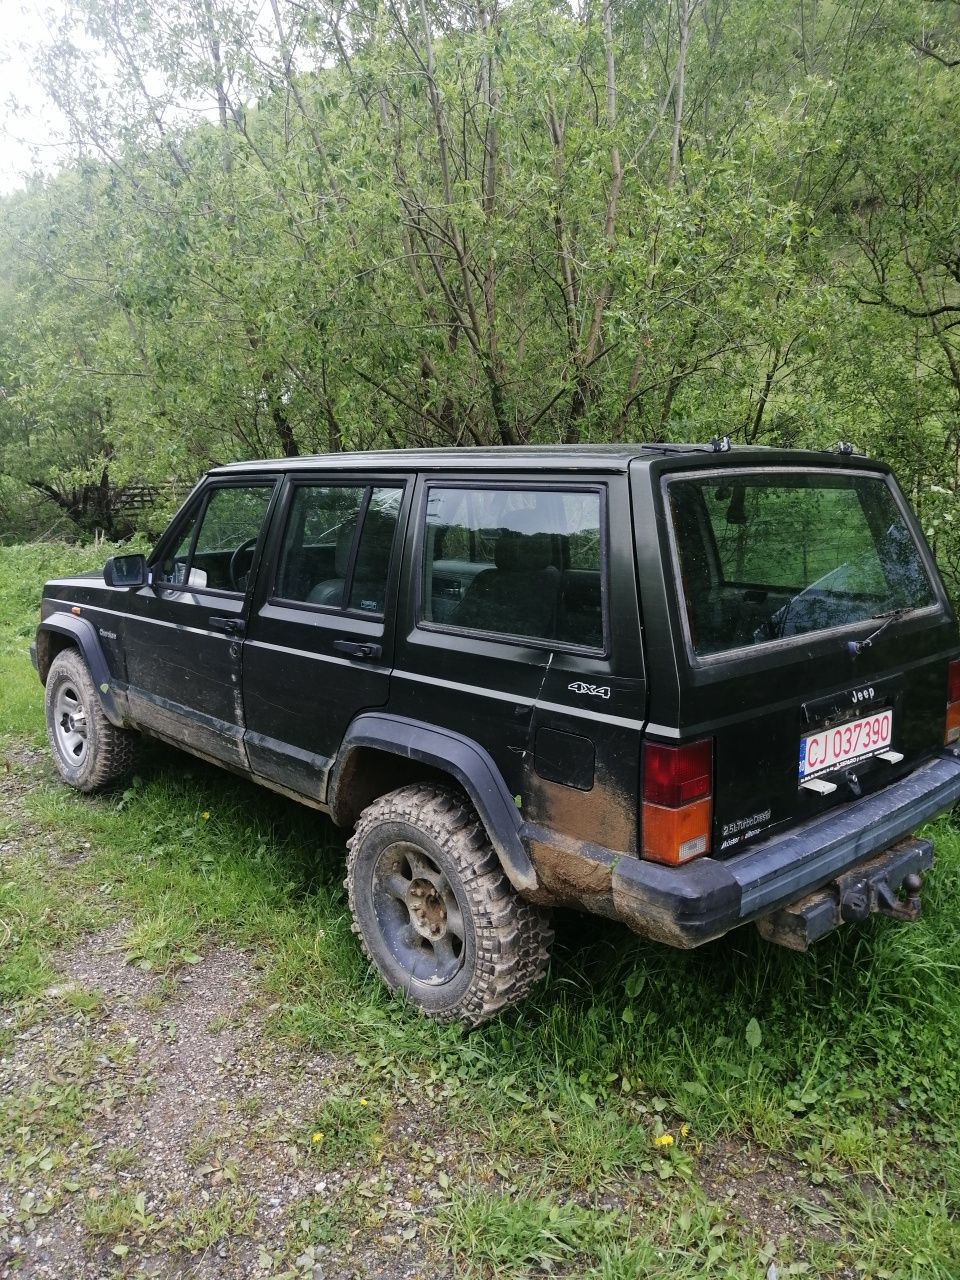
{"x": 461, "y": 758}
{"x": 83, "y": 634}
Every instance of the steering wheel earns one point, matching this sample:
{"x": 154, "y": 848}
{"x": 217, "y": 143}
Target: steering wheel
{"x": 233, "y": 570}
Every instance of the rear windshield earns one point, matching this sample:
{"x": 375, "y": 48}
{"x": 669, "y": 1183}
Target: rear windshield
{"x": 767, "y": 556}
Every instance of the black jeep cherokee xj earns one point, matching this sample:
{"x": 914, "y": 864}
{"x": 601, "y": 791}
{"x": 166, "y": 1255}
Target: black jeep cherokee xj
{"x": 682, "y": 686}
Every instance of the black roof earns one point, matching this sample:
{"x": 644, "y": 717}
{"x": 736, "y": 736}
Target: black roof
{"x": 561, "y": 457}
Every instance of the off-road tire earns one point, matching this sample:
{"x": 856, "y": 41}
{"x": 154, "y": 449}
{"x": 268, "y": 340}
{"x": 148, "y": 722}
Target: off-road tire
{"x": 505, "y": 941}
{"x": 108, "y": 752}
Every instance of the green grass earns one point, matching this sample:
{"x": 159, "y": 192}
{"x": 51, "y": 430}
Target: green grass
{"x": 840, "y": 1067}
{"x": 228, "y": 1216}
{"x": 508, "y": 1236}
{"x": 118, "y": 1214}
{"x": 23, "y": 571}
{"x": 35, "y": 917}
{"x": 345, "y": 1130}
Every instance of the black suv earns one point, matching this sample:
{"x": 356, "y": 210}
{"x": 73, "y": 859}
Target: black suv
{"x": 685, "y": 687}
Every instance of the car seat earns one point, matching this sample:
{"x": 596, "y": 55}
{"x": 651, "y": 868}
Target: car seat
{"x": 330, "y": 591}
{"x": 519, "y": 596}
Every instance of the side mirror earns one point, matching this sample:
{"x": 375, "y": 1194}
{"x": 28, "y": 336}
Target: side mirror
{"x": 125, "y": 571}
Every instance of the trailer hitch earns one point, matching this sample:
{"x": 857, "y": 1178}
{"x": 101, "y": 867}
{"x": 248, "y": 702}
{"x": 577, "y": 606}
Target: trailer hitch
{"x": 889, "y": 882}
{"x": 907, "y": 908}
{"x": 859, "y": 898}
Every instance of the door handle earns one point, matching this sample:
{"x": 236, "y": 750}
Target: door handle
{"x": 229, "y": 626}
{"x": 358, "y": 649}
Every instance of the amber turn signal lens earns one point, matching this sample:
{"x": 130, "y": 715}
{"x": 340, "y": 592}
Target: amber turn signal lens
{"x": 674, "y": 836}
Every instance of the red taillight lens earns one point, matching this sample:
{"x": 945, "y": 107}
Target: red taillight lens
{"x": 677, "y": 795}
{"x": 951, "y": 733}
{"x": 673, "y": 776}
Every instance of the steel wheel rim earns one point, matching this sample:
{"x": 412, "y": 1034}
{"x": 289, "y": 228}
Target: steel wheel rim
{"x": 70, "y": 724}
{"x": 419, "y": 914}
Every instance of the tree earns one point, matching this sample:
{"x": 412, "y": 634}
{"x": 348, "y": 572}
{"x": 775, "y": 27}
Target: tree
{"x": 323, "y": 227}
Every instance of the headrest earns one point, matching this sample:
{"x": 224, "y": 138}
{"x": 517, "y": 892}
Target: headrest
{"x": 522, "y": 552}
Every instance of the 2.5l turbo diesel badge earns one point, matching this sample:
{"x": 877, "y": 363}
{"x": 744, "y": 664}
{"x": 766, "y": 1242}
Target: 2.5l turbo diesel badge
{"x": 743, "y": 828}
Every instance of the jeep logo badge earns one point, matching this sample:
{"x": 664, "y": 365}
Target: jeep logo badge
{"x": 597, "y": 691}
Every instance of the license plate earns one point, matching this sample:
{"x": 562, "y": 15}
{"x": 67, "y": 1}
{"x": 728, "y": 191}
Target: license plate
{"x": 845, "y": 743}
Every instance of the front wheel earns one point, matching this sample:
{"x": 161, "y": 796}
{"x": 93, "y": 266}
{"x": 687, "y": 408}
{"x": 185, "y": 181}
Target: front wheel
{"x": 88, "y": 750}
{"x": 437, "y": 917}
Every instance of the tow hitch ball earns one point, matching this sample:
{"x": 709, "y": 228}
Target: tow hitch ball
{"x": 855, "y": 899}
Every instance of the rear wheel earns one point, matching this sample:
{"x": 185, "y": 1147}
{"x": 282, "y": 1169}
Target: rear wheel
{"x": 88, "y": 750}
{"x": 437, "y": 917}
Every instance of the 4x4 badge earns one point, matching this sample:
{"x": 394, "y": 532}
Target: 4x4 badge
{"x": 598, "y": 691}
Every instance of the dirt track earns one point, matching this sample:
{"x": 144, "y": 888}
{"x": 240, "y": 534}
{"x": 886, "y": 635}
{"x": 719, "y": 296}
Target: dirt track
{"x": 121, "y": 1083}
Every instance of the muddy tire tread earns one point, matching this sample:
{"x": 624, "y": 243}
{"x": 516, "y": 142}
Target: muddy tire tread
{"x": 513, "y": 937}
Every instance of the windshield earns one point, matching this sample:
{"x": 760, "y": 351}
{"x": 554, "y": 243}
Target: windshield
{"x": 766, "y": 556}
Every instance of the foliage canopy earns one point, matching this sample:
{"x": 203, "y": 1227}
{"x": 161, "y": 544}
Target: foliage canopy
{"x": 324, "y": 226}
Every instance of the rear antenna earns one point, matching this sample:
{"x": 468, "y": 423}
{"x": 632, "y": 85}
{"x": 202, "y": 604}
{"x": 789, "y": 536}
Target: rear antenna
{"x": 720, "y": 444}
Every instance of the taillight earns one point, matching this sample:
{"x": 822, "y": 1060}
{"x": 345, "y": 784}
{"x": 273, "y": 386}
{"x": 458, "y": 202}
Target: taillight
{"x": 677, "y": 801}
{"x": 952, "y": 731}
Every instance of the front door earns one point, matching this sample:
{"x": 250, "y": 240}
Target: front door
{"x": 320, "y": 640}
{"x": 184, "y": 631}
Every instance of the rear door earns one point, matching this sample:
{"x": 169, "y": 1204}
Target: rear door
{"x": 810, "y": 637}
{"x": 319, "y": 645}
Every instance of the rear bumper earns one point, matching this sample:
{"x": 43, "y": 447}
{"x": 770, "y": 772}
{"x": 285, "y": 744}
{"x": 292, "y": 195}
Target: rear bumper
{"x": 687, "y": 906}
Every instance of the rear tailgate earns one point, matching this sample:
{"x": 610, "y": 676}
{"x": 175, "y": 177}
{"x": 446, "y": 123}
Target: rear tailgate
{"x": 887, "y": 706}
{"x": 809, "y": 635}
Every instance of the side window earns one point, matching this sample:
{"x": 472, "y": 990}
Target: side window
{"x": 516, "y": 562}
{"x": 316, "y": 547}
{"x": 337, "y": 545}
{"x": 219, "y": 554}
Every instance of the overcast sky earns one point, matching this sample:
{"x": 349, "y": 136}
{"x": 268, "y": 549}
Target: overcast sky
{"x": 30, "y": 129}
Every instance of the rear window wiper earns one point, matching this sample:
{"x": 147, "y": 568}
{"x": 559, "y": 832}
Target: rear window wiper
{"x": 891, "y": 616}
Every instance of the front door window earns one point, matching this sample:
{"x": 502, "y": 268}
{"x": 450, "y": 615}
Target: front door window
{"x": 216, "y": 551}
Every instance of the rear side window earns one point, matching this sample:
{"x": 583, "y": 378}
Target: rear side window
{"x": 764, "y": 557}
{"x": 523, "y": 563}
{"x": 337, "y": 546}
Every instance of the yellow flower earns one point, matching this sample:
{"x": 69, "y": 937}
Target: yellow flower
{"x": 205, "y": 816}
{"x": 684, "y": 1130}
{"x": 664, "y": 1140}
{"x": 363, "y": 1102}
{"x": 317, "y": 1137}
